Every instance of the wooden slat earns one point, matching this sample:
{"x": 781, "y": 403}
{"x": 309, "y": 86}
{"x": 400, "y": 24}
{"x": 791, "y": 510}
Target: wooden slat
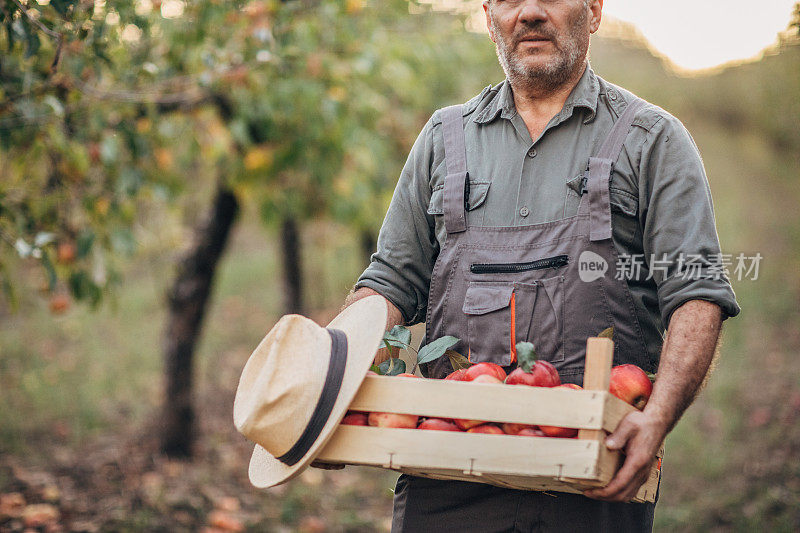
{"x": 468, "y": 453}
{"x": 482, "y": 401}
{"x": 615, "y": 411}
{"x": 596, "y": 376}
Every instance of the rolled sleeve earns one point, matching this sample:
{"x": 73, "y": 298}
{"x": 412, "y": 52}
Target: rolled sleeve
{"x": 679, "y": 231}
{"x": 400, "y": 269}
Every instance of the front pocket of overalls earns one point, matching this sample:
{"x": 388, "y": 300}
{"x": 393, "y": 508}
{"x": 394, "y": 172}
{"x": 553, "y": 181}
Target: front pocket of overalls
{"x": 498, "y": 317}
{"x": 546, "y": 330}
{"x": 490, "y": 311}
{"x": 499, "y": 312}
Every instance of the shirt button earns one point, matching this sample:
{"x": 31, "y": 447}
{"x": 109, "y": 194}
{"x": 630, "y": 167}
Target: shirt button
{"x": 524, "y": 212}
{"x": 532, "y": 152}
{"x": 612, "y": 95}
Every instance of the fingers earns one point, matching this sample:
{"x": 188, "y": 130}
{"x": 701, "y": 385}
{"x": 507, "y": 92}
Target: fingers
{"x": 625, "y": 484}
{"x": 624, "y": 432}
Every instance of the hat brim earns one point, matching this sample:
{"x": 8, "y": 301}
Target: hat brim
{"x": 364, "y": 324}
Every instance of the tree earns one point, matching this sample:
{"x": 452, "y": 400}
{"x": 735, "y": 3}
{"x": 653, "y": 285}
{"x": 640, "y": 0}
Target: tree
{"x": 306, "y": 107}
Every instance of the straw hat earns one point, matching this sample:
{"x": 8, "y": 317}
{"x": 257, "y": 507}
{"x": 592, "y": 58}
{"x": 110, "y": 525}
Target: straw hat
{"x": 298, "y": 383}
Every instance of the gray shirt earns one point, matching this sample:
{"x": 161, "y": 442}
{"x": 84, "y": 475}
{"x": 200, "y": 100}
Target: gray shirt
{"x": 662, "y": 212}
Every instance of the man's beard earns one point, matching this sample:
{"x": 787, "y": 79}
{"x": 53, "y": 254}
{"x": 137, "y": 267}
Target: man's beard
{"x": 571, "y": 48}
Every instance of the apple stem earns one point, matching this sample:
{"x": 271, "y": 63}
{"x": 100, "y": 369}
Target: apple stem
{"x": 526, "y": 356}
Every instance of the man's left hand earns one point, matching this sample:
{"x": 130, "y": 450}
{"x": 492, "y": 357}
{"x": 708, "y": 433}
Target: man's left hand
{"x": 640, "y": 437}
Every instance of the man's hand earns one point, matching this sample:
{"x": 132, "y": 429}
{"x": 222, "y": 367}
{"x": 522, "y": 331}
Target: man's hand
{"x": 640, "y": 437}
{"x": 688, "y": 349}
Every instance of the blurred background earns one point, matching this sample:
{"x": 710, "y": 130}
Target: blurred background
{"x": 175, "y": 176}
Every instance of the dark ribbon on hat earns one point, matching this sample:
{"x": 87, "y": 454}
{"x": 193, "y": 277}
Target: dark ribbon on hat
{"x": 330, "y": 391}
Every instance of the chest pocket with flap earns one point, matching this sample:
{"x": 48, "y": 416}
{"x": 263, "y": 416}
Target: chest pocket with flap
{"x": 477, "y": 196}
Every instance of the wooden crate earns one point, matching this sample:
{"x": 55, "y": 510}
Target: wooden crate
{"x": 518, "y": 462}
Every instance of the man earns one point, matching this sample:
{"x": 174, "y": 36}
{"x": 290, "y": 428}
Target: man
{"x": 500, "y": 205}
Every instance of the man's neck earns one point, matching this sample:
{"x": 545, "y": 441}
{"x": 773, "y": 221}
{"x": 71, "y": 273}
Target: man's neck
{"x": 538, "y": 106}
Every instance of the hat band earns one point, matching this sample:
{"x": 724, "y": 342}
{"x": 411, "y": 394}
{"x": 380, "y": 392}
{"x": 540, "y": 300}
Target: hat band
{"x": 330, "y": 391}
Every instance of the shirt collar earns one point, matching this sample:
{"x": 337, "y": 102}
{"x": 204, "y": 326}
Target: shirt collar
{"x": 584, "y": 94}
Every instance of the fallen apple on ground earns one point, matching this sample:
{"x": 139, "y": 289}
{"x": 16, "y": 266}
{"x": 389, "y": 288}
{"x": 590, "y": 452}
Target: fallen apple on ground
{"x": 630, "y": 384}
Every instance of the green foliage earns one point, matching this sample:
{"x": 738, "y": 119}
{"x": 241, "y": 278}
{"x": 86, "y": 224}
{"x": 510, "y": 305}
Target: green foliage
{"x": 457, "y": 361}
{"x": 399, "y": 337}
{"x": 436, "y": 349}
{"x": 526, "y": 355}
{"x": 392, "y": 367}
{"x": 306, "y": 109}
{"x": 607, "y": 333}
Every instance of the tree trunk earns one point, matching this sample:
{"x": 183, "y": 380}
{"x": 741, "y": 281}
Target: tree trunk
{"x": 187, "y": 300}
{"x": 292, "y": 267}
{"x": 368, "y": 245}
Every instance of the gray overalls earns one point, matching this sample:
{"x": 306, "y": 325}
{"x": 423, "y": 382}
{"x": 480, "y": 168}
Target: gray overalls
{"x": 552, "y": 284}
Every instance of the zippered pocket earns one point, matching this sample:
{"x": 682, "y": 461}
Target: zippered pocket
{"x": 510, "y": 268}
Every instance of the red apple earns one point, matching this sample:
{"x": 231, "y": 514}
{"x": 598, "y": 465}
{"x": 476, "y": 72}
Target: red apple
{"x": 466, "y": 425}
{"x": 630, "y": 384}
{"x": 458, "y": 375}
{"x": 562, "y": 433}
{"x": 439, "y": 424}
{"x": 486, "y": 428}
{"x": 487, "y": 378}
{"x": 393, "y": 420}
{"x": 485, "y": 368}
{"x": 514, "y": 429}
{"x": 355, "y": 418}
{"x": 530, "y": 371}
{"x": 531, "y": 432}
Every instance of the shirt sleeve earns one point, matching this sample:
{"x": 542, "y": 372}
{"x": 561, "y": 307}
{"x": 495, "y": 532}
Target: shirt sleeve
{"x": 400, "y": 270}
{"x": 680, "y": 238}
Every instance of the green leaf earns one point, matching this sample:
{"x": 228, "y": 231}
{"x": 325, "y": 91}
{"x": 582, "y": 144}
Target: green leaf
{"x": 526, "y": 355}
{"x": 457, "y": 360}
{"x": 376, "y": 369}
{"x": 83, "y": 288}
{"x": 399, "y": 337}
{"x": 84, "y": 243}
{"x": 435, "y": 349}
{"x": 51, "y": 272}
{"x": 392, "y": 366}
{"x": 607, "y": 333}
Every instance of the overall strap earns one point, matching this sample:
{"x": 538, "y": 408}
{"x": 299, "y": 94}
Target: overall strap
{"x": 456, "y": 181}
{"x": 600, "y": 167}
